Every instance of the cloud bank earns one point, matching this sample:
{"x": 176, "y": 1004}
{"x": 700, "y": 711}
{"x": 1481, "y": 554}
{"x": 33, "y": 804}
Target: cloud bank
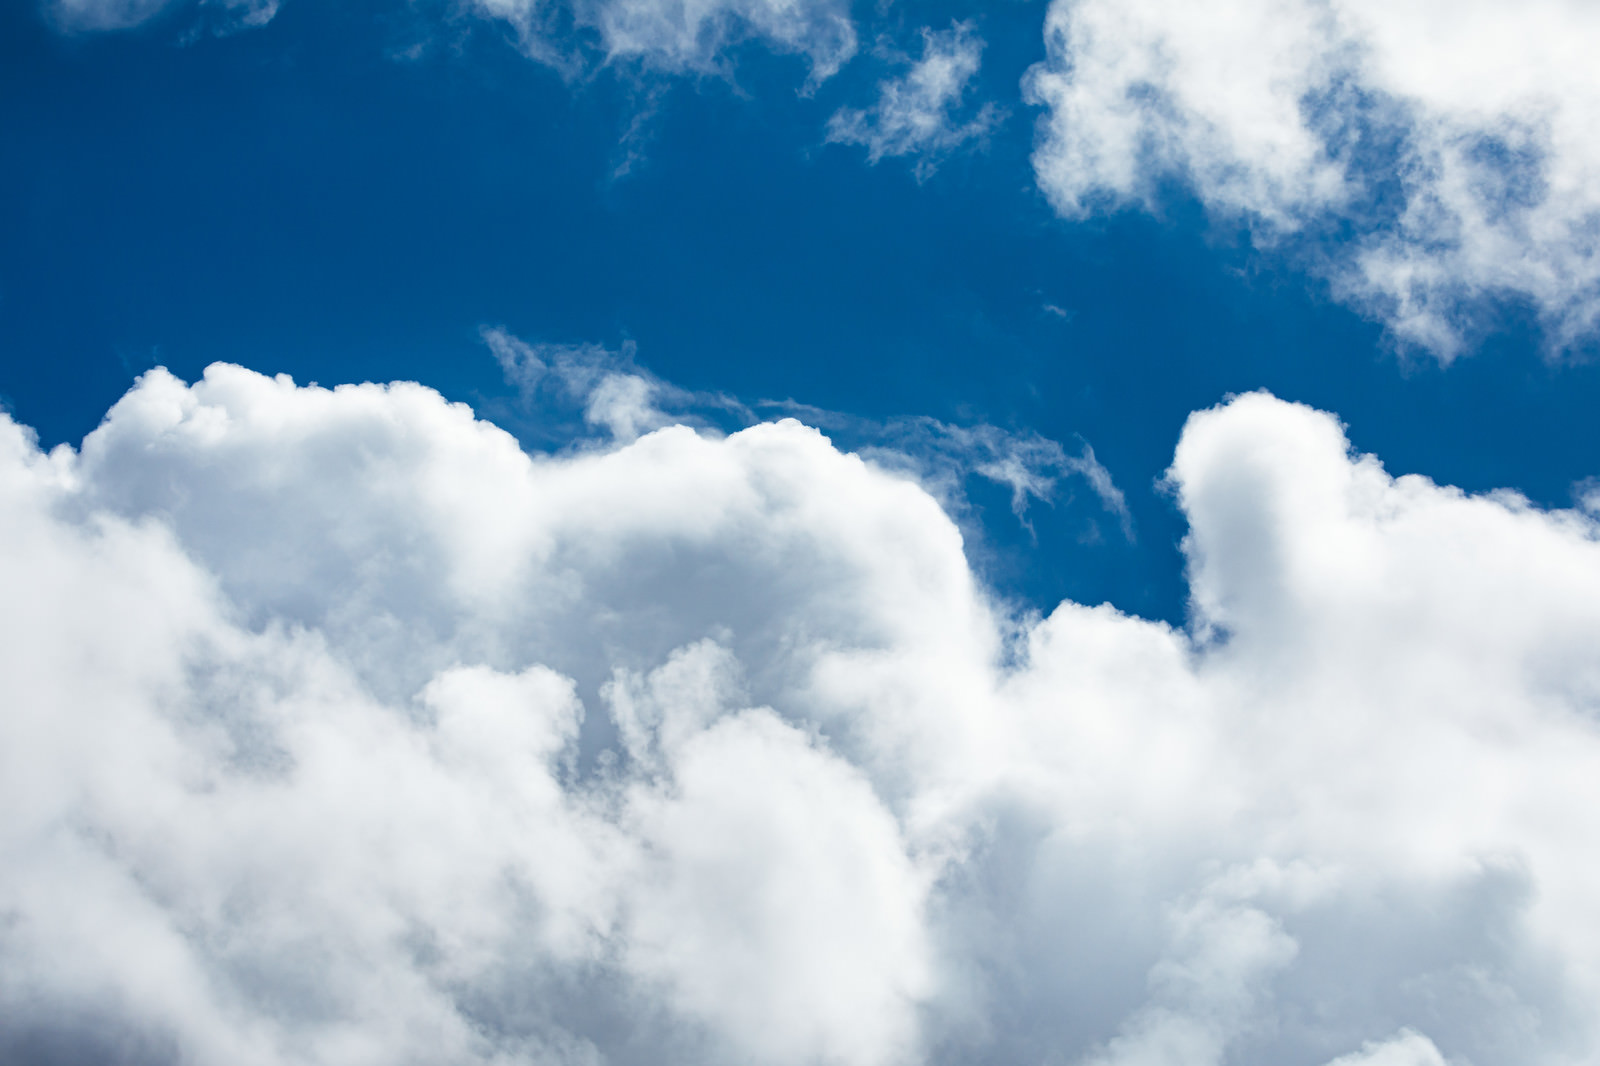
{"x": 1428, "y": 158}
{"x": 339, "y": 730}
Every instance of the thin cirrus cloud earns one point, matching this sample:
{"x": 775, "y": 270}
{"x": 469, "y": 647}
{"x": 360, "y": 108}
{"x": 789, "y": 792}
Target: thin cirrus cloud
{"x": 99, "y": 16}
{"x": 611, "y": 391}
{"x": 915, "y": 115}
{"x": 341, "y": 730}
{"x": 917, "y": 112}
{"x": 1432, "y": 163}
{"x": 664, "y": 37}
{"x": 679, "y": 38}
{"x": 1428, "y": 159}
{"x": 942, "y": 456}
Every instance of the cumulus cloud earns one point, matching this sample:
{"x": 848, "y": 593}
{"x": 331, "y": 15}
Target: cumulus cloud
{"x": 916, "y": 113}
{"x": 1426, "y": 157}
{"x": 338, "y": 729}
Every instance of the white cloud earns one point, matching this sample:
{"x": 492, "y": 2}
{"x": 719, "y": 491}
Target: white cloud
{"x": 340, "y": 730}
{"x": 1405, "y": 1049}
{"x": 659, "y": 35}
{"x": 1426, "y": 156}
{"x": 916, "y": 112}
{"x": 1587, "y": 495}
{"x": 220, "y": 16}
{"x": 617, "y": 394}
{"x": 678, "y": 38}
{"x": 942, "y": 457}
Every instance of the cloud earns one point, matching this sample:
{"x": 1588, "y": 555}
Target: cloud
{"x": 615, "y": 393}
{"x": 220, "y": 16}
{"x": 915, "y": 112}
{"x": 338, "y": 729}
{"x": 1426, "y": 158}
{"x": 942, "y": 456}
{"x": 1406, "y": 1049}
{"x": 676, "y": 38}
{"x": 657, "y": 35}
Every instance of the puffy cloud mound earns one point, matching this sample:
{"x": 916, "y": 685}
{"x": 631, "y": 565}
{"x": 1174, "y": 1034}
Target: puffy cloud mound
{"x": 339, "y": 730}
{"x": 1433, "y": 155}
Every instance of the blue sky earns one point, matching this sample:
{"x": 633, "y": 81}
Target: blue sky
{"x": 297, "y": 199}
{"x": 799, "y": 533}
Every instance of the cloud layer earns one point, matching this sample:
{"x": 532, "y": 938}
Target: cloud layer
{"x": 1426, "y": 157}
{"x": 340, "y": 730}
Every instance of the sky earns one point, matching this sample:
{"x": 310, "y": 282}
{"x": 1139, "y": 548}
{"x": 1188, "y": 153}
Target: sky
{"x": 799, "y": 531}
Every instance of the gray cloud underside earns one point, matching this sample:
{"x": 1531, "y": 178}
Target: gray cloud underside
{"x": 339, "y": 730}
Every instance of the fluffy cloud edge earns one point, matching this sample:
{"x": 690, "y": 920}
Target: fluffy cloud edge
{"x": 1426, "y": 160}
{"x": 342, "y": 730}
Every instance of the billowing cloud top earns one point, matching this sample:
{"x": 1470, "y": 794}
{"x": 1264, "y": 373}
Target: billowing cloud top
{"x": 1452, "y": 141}
{"x": 339, "y": 730}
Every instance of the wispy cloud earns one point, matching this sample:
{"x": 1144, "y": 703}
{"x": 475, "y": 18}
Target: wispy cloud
{"x": 917, "y": 112}
{"x": 215, "y": 16}
{"x": 615, "y": 393}
{"x": 942, "y": 456}
{"x": 571, "y": 36}
{"x": 612, "y": 389}
{"x": 676, "y": 38}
